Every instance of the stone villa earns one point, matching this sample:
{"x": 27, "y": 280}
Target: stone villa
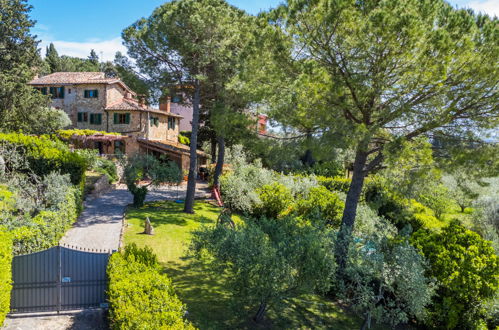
{"x": 94, "y": 101}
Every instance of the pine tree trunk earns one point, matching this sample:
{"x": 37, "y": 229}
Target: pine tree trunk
{"x": 213, "y": 149}
{"x": 260, "y": 313}
{"x": 191, "y": 183}
{"x": 220, "y": 161}
{"x": 348, "y": 219}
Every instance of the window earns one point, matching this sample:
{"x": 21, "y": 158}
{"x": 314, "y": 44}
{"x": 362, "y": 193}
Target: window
{"x": 95, "y": 118}
{"x": 119, "y": 147}
{"x": 42, "y": 90}
{"x": 177, "y": 98}
{"x": 82, "y": 117}
{"x": 69, "y": 90}
{"x": 57, "y": 92}
{"x": 171, "y": 123}
{"x": 121, "y": 118}
{"x": 91, "y": 93}
{"x": 154, "y": 121}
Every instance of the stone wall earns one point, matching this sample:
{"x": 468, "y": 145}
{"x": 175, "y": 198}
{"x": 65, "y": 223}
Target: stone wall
{"x": 161, "y": 132}
{"x": 115, "y": 93}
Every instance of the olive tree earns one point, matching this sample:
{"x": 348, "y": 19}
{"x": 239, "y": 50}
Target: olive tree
{"x": 270, "y": 259}
{"x": 155, "y": 171}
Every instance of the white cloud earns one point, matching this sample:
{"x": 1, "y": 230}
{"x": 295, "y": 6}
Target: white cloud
{"x": 104, "y": 48}
{"x": 490, "y": 7}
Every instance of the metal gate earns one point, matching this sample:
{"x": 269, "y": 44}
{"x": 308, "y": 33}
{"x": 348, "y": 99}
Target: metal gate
{"x": 58, "y": 279}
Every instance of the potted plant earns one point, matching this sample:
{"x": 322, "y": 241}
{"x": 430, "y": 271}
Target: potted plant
{"x": 186, "y": 174}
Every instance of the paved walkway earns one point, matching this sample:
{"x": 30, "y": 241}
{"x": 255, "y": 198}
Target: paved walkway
{"x": 99, "y": 225}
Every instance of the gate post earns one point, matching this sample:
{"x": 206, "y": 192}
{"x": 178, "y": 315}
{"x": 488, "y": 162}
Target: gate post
{"x": 59, "y": 278}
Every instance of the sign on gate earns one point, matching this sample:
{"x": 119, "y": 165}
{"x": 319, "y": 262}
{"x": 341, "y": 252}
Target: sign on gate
{"x": 59, "y": 278}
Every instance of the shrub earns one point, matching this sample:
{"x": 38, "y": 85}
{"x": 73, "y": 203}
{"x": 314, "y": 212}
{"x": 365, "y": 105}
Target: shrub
{"x": 298, "y": 185}
{"x": 467, "y": 270}
{"x": 335, "y": 184}
{"x": 323, "y": 203}
{"x": 5, "y": 273}
{"x": 184, "y": 139}
{"x": 107, "y": 167}
{"x": 46, "y": 228}
{"x": 275, "y": 198}
{"x": 140, "y": 297}
{"x": 239, "y": 186}
{"x": 45, "y": 156}
{"x": 398, "y": 210}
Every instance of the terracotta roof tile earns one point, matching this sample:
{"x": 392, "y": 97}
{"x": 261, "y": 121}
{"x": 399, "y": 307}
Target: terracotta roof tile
{"x": 74, "y": 78}
{"x": 132, "y": 105}
{"x": 170, "y": 145}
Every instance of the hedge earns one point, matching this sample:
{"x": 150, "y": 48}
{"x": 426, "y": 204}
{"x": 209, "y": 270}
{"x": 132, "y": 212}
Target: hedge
{"x": 5, "y": 273}
{"x": 140, "y": 297}
{"x": 45, "y": 155}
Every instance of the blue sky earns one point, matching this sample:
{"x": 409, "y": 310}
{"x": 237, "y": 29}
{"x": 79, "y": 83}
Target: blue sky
{"x": 76, "y": 26}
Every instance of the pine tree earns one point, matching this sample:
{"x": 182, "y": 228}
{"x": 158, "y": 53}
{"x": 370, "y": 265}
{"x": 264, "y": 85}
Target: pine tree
{"x": 94, "y": 58}
{"x": 176, "y": 57}
{"x": 19, "y": 60}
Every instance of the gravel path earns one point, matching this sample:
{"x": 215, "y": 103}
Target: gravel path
{"x": 99, "y": 225}
{"x": 89, "y": 319}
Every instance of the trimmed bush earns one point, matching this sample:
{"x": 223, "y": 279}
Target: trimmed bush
{"x": 140, "y": 296}
{"x": 45, "y": 155}
{"x": 5, "y": 273}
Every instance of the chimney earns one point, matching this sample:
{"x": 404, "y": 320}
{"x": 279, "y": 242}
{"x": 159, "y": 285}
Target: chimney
{"x": 128, "y": 95}
{"x": 164, "y": 104}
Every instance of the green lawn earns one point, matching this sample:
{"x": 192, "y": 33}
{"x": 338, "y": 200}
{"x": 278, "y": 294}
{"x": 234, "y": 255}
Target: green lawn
{"x": 203, "y": 291}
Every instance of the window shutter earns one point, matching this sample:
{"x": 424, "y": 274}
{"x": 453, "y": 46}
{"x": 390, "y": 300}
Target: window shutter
{"x": 115, "y": 118}
{"x": 62, "y": 92}
{"x": 92, "y": 118}
{"x": 80, "y": 117}
{"x": 127, "y": 118}
{"x": 96, "y": 93}
{"x": 44, "y": 90}
{"x": 99, "y": 119}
